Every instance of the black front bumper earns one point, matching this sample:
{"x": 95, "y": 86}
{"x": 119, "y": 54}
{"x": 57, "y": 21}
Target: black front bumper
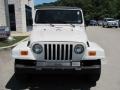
{"x": 29, "y": 66}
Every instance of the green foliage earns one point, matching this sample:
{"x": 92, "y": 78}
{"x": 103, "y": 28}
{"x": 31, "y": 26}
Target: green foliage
{"x": 93, "y": 9}
{"x": 4, "y": 43}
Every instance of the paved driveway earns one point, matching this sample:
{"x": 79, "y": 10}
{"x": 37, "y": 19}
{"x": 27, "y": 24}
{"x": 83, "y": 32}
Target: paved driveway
{"x": 108, "y": 38}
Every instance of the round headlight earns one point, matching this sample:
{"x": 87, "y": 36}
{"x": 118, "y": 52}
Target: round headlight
{"x": 79, "y": 49}
{"x": 37, "y": 48}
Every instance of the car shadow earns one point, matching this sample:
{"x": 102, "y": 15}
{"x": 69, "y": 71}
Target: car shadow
{"x": 49, "y": 82}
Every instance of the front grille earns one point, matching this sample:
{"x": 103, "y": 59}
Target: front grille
{"x": 58, "y": 51}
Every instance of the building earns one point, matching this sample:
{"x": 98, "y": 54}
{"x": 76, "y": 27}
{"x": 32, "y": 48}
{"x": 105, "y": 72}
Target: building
{"x": 4, "y": 13}
{"x": 18, "y": 13}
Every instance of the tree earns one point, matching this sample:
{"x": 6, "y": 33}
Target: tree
{"x": 93, "y": 9}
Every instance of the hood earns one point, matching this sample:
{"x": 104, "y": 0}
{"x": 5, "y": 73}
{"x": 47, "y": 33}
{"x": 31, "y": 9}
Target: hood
{"x": 58, "y": 33}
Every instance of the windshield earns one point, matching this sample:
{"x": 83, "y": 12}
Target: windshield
{"x": 110, "y": 19}
{"x": 58, "y": 16}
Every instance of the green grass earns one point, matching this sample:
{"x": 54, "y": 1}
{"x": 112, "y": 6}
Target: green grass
{"x": 4, "y": 43}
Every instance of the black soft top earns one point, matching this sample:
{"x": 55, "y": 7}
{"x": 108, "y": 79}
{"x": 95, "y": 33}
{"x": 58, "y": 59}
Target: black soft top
{"x": 59, "y": 8}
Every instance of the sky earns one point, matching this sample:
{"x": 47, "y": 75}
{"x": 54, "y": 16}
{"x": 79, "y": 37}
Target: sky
{"x": 43, "y": 1}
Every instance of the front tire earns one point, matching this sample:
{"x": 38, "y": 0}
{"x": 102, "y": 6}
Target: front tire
{"x": 18, "y": 73}
{"x": 94, "y": 75}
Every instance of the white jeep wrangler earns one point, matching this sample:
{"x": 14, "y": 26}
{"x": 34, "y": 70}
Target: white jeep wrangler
{"x": 58, "y": 43}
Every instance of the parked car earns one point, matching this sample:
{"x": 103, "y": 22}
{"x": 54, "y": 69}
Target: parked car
{"x": 110, "y": 22}
{"x": 93, "y": 23}
{"x": 58, "y": 43}
{"x": 4, "y": 32}
{"x": 119, "y": 22}
{"x": 100, "y": 22}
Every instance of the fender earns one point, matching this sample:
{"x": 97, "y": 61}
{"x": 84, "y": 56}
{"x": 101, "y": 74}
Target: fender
{"x": 100, "y": 54}
{"x": 22, "y": 47}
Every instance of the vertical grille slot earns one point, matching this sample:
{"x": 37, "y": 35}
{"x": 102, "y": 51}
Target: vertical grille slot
{"x": 45, "y": 51}
{"x": 49, "y": 51}
{"x": 71, "y": 50}
{"x": 62, "y": 52}
{"x": 54, "y": 51}
{"x": 58, "y": 52}
{"x": 66, "y": 53}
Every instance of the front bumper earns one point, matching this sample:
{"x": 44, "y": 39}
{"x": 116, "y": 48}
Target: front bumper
{"x": 29, "y": 66}
{"x": 113, "y": 25}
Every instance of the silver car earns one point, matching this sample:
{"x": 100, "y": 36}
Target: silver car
{"x": 110, "y": 22}
{"x": 4, "y": 32}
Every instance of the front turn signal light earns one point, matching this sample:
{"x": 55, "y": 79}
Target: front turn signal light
{"x": 24, "y": 53}
{"x": 92, "y": 53}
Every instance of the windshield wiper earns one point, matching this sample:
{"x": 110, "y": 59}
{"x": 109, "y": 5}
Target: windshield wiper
{"x": 72, "y": 25}
{"x": 66, "y": 22}
{"x": 52, "y": 25}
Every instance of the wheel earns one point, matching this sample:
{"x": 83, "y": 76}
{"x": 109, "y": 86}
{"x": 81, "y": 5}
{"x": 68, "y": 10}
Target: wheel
{"x": 94, "y": 75}
{"x": 18, "y": 74}
{"x": 107, "y": 26}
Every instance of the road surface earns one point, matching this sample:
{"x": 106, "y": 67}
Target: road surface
{"x": 108, "y": 38}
